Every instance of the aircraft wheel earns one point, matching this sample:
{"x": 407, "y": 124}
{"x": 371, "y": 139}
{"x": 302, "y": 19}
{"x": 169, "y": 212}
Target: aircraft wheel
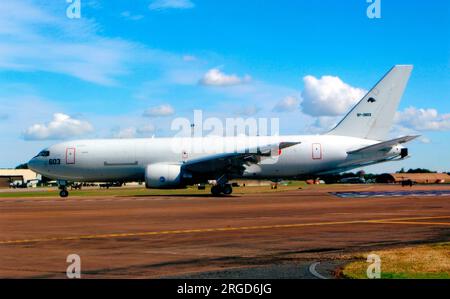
{"x": 227, "y": 189}
{"x": 216, "y": 190}
{"x": 64, "y": 193}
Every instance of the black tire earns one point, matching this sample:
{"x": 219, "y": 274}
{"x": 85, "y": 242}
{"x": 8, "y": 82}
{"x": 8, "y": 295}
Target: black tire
{"x": 64, "y": 193}
{"x": 216, "y": 190}
{"x": 227, "y": 189}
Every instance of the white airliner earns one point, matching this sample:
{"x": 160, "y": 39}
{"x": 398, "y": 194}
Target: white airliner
{"x": 358, "y": 140}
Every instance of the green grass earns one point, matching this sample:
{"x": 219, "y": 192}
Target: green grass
{"x": 431, "y": 261}
{"x": 439, "y": 275}
{"x": 101, "y": 192}
{"x": 140, "y": 191}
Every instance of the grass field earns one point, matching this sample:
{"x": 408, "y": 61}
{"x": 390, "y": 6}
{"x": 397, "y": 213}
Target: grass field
{"x": 140, "y": 190}
{"x": 430, "y": 261}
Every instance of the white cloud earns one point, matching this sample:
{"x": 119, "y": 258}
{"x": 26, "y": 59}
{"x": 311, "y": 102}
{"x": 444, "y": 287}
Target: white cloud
{"x": 125, "y": 133}
{"x": 97, "y": 62}
{"x": 424, "y": 139}
{"x": 257, "y": 93}
{"x": 323, "y": 124}
{"x": 146, "y": 130}
{"x": 129, "y": 16}
{"x": 60, "y": 127}
{"x": 423, "y": 119}
{"x": 41, "y": 38}
{"x": 288, "y": 104}
{"x": 400, "y": 131}
{"x": 167, "y": 4}
{"x": 214, "y": 77}
{"x": 328, "y": 96}
{"x": 248, "y": 110}
{"x": 133, "y": 132}
{"x": 189, "y": 58}
{"x": 161, "y": 110}
{"x": 182, "y": 76}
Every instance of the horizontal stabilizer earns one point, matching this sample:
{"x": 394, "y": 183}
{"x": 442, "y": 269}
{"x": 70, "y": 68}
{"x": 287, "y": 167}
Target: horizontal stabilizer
{"x": 385, "y": 145}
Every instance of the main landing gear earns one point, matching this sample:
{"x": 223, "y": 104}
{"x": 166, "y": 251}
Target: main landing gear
{"x": 226, "y": 189}
{"x": 62, "y": 185}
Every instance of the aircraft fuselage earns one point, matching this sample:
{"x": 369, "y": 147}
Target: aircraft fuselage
{"x": 127, "y": 159}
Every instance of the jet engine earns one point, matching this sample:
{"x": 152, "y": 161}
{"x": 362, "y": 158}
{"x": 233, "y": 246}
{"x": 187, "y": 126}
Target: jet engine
{"x": 162, "y": 175}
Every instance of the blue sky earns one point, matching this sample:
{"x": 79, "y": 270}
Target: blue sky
{"x": 128, "y": 68}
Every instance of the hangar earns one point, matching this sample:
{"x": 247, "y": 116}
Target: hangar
{"x": 419, "y": 178}
{"x": 10, "y": 175}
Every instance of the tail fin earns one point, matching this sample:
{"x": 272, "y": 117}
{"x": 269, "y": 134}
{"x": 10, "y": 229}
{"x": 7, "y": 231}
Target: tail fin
{"x": 372, "y": 117}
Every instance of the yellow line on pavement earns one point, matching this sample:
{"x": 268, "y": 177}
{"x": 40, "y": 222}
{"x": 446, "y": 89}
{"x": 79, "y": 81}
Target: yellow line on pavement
{"x": 416, "y": 223}
{"x": 225, "y": 229}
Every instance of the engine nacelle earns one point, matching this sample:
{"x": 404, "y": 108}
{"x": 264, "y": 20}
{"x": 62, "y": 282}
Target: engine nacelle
{"x": 162, "y": 175}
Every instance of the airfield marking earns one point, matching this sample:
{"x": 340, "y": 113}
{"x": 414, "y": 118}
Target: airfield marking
{"x": 415, "y": 222}
{"x": 398, "y": 193}
{"x": 225, "y": 229}
{"x": 313, "y": 271}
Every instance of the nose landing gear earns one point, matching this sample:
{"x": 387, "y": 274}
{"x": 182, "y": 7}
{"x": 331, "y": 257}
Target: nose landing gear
{"x": 62, "y": 185}
{"x": 64, "y": 193}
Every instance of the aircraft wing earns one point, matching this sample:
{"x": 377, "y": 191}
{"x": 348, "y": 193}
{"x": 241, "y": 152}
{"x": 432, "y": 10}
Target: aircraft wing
{"x": 233, "y": 162}
{"x": 382, "y": 146}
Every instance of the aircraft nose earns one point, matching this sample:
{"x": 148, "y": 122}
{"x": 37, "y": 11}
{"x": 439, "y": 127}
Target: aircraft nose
{"x": 33, "y": 164}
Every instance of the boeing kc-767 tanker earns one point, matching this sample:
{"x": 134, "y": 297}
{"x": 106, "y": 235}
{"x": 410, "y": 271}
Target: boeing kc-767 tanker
{"x": 359, "y": 139}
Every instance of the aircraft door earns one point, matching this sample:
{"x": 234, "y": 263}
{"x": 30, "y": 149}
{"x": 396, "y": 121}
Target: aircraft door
{"x": 70, "y": 155}
{"x": 316, "y": 151}
{"x": 184, "y": 155}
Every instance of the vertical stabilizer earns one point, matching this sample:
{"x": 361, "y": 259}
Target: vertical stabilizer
{"x": 372, "y": 117}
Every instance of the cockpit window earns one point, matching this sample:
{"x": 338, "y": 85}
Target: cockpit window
{"x": 43, "y": 153}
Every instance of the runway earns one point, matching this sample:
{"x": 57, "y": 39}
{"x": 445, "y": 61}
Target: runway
{"x": 253, "y": 235}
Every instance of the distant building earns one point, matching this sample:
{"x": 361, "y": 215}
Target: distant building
{"x": 8, "y": 176}
{"x": 251, "y": 183}
{"x": 353, "y": 180}
{"x": 419, "y": 178}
